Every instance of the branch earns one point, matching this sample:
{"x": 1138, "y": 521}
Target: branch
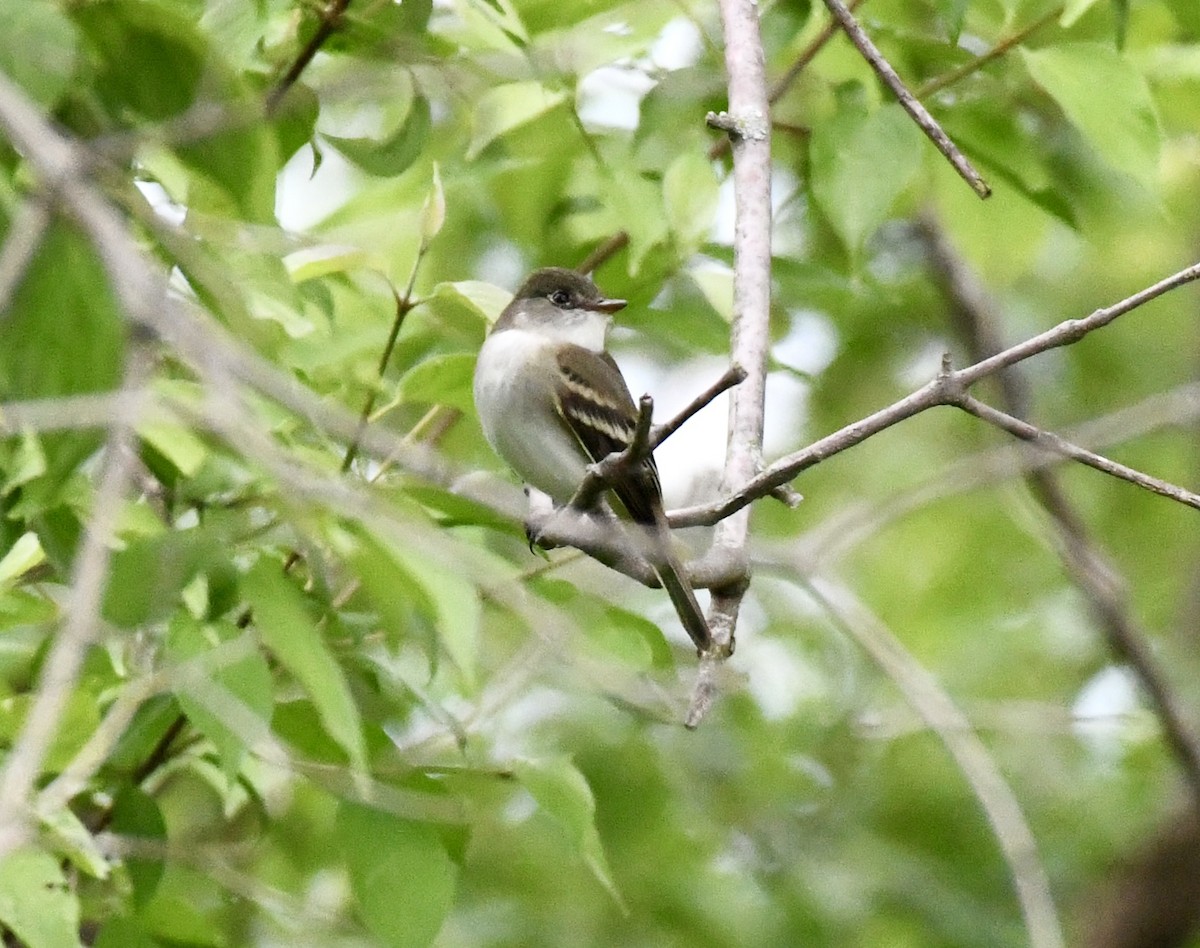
{"x": 749, "y": 114}
{"x": 602, "y": 254}
{"x": 937, "y": 83}
{"x": 734, "y": 375}
{"x": 837, "y": 535}
{"x": 1082, "y": 556}
{"x": 784, "y": 82}
{"x": 65, "y": 660}
{"x": 922, "y": 691}
{"x": 946, "y": 389}
{"x": 604, "y": 473}
{"x": 329, "y": 20}
{"x": 1052, "y": 442}
{"x": 927, "y": 123}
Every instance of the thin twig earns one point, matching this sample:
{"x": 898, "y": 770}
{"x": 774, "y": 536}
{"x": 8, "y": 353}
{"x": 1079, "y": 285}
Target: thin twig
{"x": 839, "y": 534}
{"x": 604, "y": 473}
{"x": 1085, "y": 561}
{"x": 329, "y": 20}
{"x": 603, "y": 253}
{"x": 926, "y": 122}
{"x": 1052, "y": 442}
{"x": 404, "y": 306}
{"x": 971, "y": 66}
{"x": 734, "y": 375}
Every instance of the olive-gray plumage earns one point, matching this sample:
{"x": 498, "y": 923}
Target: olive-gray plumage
{"x": 551, "y": 401}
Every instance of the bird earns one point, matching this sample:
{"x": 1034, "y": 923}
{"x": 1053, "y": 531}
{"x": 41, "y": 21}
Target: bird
{"x": 552, "y": 401}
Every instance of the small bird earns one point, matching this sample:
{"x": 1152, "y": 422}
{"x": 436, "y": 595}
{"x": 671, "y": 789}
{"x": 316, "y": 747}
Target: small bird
{"x": 551, "y": 401}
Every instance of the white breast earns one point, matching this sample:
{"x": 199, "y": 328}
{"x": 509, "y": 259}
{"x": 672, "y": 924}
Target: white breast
{"x": 514, "y": 396}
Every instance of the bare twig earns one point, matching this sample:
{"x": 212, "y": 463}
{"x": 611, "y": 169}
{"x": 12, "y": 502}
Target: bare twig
{"x": 603, "y": 253}
{"x": 927, "y": 123}
{"x": 946, "y": 389}
{"x": 937, "y": 83}
{"x": 1052, "y": 442}
{"x": 1085, "y": 561}
{"x": 329, "y": 20}
{"x": 732, "y": 376}
{"x": 840, "y": 533}
{"x": 1009, "y": 826}
{"x": 404, "y": 305}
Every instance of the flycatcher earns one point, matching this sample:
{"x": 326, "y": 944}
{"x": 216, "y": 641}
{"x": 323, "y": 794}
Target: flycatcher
{"x": 551, "y": 401}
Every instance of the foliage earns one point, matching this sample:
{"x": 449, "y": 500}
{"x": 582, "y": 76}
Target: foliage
{"x": 351, "y": 711}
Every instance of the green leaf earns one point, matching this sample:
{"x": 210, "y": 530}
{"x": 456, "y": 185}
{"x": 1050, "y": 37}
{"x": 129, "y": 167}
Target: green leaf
{"x": 483, "y": 300}
{"x": 136, "y": 814}
{"x": 148, "y": 575}
{"x": 952, "y": 13}
{"x": 860, "y": 164}
{"x": 450, "y": 602}
{"x": 35, "y": 901}
{"x": 503, "y": 108}
{"x": 690, "y": 199}
{"x": 440, "y": 380}
{"x": 395, "y": 154}
{"x": 179, "y": 445}
{"x": 25, "y": 554}
{"x": 563, "y": 794}
{"x": 401, "y": 876}
{"x": 63, "y": 335}
{"x": 38, "y": 48}
{"x": 152, "y": 61}
{"x": 433, "y": 211}
{"x": 124, "y": 933}
{"x": 288, "y": 630}
{"x": 456, "y": 607}
{"x": 1120, "y": 122}
{"x": 248, "y": 681}
{"x": 1073, "y": 10}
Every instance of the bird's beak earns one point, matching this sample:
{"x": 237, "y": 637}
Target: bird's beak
{"x": 607, "y": 306}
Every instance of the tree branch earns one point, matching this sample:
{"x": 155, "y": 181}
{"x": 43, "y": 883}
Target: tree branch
{"x": 926, "y": 122}
{"x": 1082, "y": 556}
{"x": 749, "y": 111}
{"x": 329, "y": 20}
{"x": 70, "y": 645}
{"x": 1009, "y": 827}
{"x": 1051, "y": 442}
{"x": 946, "y": 389}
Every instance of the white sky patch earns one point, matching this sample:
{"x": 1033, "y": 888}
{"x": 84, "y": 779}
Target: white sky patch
{"x": 810, "y": 344}
{"x": 302, "y": 198}
{"x": 611, "y": 97}
{"x": 783, "y": 188}
{"x": 678, "y": 46}
{"x": 1105, "y": 711}
{"x": 778, "y": 677}
{"x": 156, "y": 196}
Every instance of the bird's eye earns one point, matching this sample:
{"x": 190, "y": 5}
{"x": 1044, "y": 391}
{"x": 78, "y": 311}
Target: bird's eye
{"x": 560, "y": 298}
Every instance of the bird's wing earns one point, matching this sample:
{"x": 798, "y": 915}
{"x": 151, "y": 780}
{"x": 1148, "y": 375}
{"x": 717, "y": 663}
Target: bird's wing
{"x": 594, "y": 401}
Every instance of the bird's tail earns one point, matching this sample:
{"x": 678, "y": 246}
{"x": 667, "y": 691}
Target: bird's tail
{"x": 670, "y": 573}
